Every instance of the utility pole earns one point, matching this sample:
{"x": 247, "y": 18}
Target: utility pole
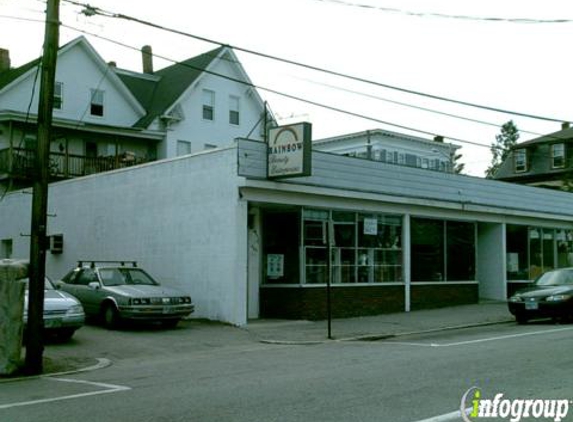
{"x": 38, "y": 240}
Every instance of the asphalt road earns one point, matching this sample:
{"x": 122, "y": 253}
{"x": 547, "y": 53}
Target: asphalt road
{"x": 218, "y": 373}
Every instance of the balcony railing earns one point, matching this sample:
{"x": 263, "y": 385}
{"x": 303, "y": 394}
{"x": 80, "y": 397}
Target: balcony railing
{"x": 19, "y": 163}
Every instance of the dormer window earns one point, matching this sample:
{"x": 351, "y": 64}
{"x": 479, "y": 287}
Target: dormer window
{"x": 557, "y": 156}
{"x": 520, "y": 160}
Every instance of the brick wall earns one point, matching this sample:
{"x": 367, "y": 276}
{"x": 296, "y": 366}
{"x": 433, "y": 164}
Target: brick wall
{"x": 438, "y": 296}
{"x": 347, "y": 301}
{"x": 350, "y": 301}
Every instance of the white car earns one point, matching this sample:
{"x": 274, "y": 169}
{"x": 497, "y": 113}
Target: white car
{"x": 63, "y": 313}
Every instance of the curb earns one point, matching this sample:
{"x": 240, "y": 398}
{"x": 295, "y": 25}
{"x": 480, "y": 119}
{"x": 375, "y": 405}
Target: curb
{"x": 101, "y": 364}
{"x": 377, "y": 337}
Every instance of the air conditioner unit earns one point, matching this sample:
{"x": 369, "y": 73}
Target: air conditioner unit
{"x": 57, "y": 243}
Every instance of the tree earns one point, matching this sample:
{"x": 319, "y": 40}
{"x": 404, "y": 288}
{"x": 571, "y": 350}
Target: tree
{"x": 504, "y": 141}
{"x": 458, "y": 167}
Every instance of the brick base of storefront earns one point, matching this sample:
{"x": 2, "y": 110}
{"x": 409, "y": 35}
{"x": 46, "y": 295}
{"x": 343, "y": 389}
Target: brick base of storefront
{"x": 429, "y": 296}
{"x": 351, "y": 301}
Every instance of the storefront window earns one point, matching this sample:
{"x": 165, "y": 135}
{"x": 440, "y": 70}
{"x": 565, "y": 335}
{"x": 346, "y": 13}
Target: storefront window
{"x": 533, "y": 250}
{"x": 535, "y": 256}
{"x": 281, "y": 247}
{"x": 564, "y": 243}
{"x": 443, "y": 250}
{"x": 548, "y": 249}
{"x": 517, "y": 257}
{"x": 427, "y": 250}
{"x": 364, "y": 248}
{"x": 461, "y": 257}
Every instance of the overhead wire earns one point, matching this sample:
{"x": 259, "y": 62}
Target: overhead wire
{"x": 446, "y": 15}
{"x": 297, "y": 98}
{"x": 91, "y": 10}
{"x": 282, "y": 94}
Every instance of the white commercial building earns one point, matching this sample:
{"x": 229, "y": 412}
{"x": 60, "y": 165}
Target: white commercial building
{"x": 245, "y": 246}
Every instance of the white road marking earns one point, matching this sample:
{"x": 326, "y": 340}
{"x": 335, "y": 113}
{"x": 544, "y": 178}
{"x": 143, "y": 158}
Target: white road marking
{"x": 108, "y": 388}
{"x": 483, "y": 340}
{"x": 446, "y": 416}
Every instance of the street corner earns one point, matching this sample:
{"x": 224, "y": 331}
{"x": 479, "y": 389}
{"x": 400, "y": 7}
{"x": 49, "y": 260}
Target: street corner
{"x": 60, "y": 365}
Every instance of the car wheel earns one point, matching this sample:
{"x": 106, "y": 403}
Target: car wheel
{"x": 521, "y": 319}
{"x": 110, "y": 316}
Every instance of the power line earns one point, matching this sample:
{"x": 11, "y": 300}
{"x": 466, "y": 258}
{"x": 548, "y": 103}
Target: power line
{"x": 91, "y": 10}
{"x": 429, "y": 110}
{"x": 446, "y": 15}
{"x": 282, "y": 94}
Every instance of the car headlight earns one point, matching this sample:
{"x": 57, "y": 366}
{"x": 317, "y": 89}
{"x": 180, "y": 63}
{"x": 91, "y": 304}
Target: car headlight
{"x": 558, "y": 298}
{"x": 75, "y": 310}
{"x": 140, "y": 301}
{"x": 516, "y": 299}
{"x": 187, "y": 299}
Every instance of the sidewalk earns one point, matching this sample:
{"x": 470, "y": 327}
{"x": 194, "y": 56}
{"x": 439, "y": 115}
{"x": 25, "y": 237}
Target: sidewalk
{"x": 380, "y": 326}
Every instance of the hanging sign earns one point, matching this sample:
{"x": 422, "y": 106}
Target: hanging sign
{"x": 289, "y": 151}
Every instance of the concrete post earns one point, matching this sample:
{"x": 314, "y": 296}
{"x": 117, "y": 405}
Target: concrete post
{"x": 11, "y": 313}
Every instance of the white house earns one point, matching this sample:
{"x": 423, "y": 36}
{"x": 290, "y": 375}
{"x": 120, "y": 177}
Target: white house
{"x": 394, "y": 148}
{"x": 106, "y": 118}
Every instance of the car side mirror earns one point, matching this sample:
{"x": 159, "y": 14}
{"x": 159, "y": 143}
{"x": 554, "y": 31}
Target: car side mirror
{"x": 94, "y": 285}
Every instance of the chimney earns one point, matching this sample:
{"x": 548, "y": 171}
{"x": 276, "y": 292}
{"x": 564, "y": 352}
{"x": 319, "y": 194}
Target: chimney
{"x": 565, "y": 125}
{"x": 4, "y": 59}
{"x": 147, "y": 57}
{"x": 439, "y": 138}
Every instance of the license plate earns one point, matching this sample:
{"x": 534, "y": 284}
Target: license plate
{"x": 52, "y": 323}
{"x": 531, "y": 306}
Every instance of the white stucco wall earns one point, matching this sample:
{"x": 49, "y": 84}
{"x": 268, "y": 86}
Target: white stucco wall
{"x": 181, "y": 219}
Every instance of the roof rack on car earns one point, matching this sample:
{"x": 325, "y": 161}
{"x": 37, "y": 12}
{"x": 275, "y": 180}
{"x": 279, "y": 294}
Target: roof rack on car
{"x": 92, "y": 263}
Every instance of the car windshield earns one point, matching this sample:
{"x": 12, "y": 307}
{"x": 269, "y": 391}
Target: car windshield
{"x": 123, "y": 276}
{"x": 555, "y": 278}
{"x": 47, "y": 283}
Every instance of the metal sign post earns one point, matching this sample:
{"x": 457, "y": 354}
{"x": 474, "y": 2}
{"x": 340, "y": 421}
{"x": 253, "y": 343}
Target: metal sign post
{"x": 329, "y": 236}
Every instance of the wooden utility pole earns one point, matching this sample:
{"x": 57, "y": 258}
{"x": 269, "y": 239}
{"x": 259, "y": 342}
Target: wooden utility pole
{"x": 38, "y": 240}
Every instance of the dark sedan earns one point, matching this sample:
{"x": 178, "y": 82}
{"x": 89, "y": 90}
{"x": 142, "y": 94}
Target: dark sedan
{"x": 550, "y": 295}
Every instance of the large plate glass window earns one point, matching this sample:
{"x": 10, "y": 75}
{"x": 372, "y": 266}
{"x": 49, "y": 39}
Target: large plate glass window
{"x": 442, "y": 250}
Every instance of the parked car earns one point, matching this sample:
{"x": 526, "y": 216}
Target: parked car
{"x": 116, "y": 291}
{"x": 550, "y": 295}
{"x": 63, "y": 313}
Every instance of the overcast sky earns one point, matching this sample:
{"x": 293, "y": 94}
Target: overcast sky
{"x": 418, "y": 45}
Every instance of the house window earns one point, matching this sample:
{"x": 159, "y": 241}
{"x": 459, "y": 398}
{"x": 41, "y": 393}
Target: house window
{"x": 557, "y": 156}
{"x": 183, "y": 147}
{"x": 58, "y": 95}
{"x": 234, "y": 103}
{"x": 96, "y": 102}
{"x": 208, "y": 105}
{"x": 520, "y": 160}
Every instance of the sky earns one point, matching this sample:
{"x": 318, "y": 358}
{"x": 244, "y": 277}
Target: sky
{"x": 473, "y": 51}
